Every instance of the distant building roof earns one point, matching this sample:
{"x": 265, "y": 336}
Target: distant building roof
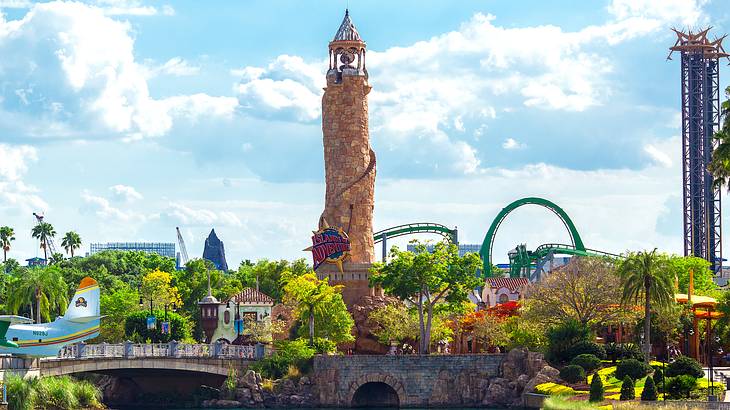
{"x": 513, "y": 284}
{"x": 347, "y": 30}
{"x": 251, "y": 296}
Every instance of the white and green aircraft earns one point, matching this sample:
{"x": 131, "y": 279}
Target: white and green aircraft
{"x": 20, "y": 336}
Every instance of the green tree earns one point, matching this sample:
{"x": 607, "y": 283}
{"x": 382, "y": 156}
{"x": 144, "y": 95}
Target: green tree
{"x": 42, "y": 287}
{"x": 719, "y": 166}
{"x": 311, "y": 297}
{"x": 56, "y": 258}
{"x": 649, "y": 393}
{"x": 627, "y": 389}
{"x": 7, "y": 235}
{"x": 426, "y": 279}
{"x": 596, "y": 392}
{"x": 394, "y": 323}
{"x": 334, "y": 322}
{"x": 679, "y": 267}
{"x": 270, "y": 275}
{"x": 115, "y": 305}
{"x": 43, "y": 232}
{"x": 135, "y": 327}
{"x": 71, "y": 241}
{"x": 645, "y": 275}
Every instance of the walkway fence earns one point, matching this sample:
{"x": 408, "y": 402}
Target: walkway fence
{"x": 129, "y": 350}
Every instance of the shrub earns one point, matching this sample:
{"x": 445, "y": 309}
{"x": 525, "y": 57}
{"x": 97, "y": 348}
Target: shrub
{"x": 680, "y": 387}
{"x": 562, "y": 403}
{"x": 588, "y": 362}
{"x": 58, "y": 392}
{"x": 588, "y": 347}
{"x": 632, "y": 368}
{"x": 649, "y": 392}
{"x": 135, "y": 327}
{"x": 562, "y": 338}
{"x": 21, "y": 395}
{"x": 658, "y": 377}
{"x": 572, "y": 373}
{"x": 596, "y": 389}
{"x": 627, "y": 388}
{"x": 685, "y": 365}
{"x": 87, "y": 394}
{"x": 295, "y": 352}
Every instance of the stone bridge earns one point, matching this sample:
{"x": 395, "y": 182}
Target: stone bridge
{"x": 404, "y": 380}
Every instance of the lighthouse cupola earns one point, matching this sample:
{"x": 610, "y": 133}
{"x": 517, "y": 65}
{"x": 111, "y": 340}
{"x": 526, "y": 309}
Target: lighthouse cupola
{"x": 347, "y": 52}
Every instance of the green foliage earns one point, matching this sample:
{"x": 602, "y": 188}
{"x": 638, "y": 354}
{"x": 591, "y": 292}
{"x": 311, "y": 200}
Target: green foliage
{"x": 394, "y": 323}
{"x": 43, "y": 231}
{"x": 61, "y": 393}
{"x": 680, "y": 387}
{"x": 428, "y": 279}
{"x": 42, "y": 287}
{"x": 7, "y": 236}
{"x": 562, "y": 403}
{"x": 658, "y": 377}
{"x": 115, "y": 305}
{"x": 649, "y": 393}
{"x": 522, "y": 333}
{"x": 332, "y": 322}
{"x": 685, "y": 365}
{"x": 135, "y": 327}
{"x": 633, "y": 368}
{"x": 679, "y": 267}
{"x": 230, "y": 382}
{"x": 719, "y": 167}
{"x": 272, "y": 275}
{"x": 596, "y": 391}
{"x": 627, "y": 388}
{"x": 70, "y": 242}
{"x": 588, "y": 347}
{"x": 562, "y": 338}
{"x": 287, "y": 353}
{"x": 324, "y": 346}
{"x": 573, "y": 373}
{"x": 588, "y": 362}
{"x": 621, "y": 351}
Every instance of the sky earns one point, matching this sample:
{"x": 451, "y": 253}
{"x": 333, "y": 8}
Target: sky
{"x": 122, "y": 119}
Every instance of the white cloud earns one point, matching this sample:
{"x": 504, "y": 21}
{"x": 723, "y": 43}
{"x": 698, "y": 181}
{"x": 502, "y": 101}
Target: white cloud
{"x": 512, "y": 144}
{"x": 175, "y": 66}
{"x": 103, "y": 209}
{"x": 124, "y": 193}
{"x": 201, "y": 217}
{"x": 17, "y": 197}
{"x": 131, "y": 8}
{"x": 77, "y": 58}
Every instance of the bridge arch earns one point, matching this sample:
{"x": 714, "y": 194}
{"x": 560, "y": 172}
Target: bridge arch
{"x": 452, "y": 235}
{"x": 486, "y": 250}
{"x": 376, "y": 390}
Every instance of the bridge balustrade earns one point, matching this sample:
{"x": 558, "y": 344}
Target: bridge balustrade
{"x": 172, "y": 349}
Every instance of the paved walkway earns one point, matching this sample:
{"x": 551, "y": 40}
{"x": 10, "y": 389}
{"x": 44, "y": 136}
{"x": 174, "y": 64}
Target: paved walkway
{"x": 720, "y": 374}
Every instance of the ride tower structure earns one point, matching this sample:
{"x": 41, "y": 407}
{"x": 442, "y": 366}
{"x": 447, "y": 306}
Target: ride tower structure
{"x": 700, "y": 120}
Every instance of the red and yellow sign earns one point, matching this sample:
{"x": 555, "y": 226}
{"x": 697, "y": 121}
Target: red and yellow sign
{"x": 330, "y": 245}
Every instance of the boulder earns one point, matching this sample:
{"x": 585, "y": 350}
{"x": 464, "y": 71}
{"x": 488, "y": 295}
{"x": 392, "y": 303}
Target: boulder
{"x": 534, "y": 363}
{"x": 515, "y": 363}
{"x": 499, "y": 393}
{"x": 365, "y": 341}
{"x": 546, "y": 375}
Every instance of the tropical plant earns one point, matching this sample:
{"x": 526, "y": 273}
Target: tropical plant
{"x": 562, "y": 338}
{"x": 596, "y": 391}
{"x": 70, "y": 242}
{"x": 312, "y": 297}
{"x": 649, "y": 393}
{"x": 644, "y": 275}
{"x": 680, "y": 387}
{"x": 44, "y": 232}
{"x": 7, "y": 235}
{"x": 427, "y": 279}
{"x": 719, "y": 166}
{"x": 685, "y": 365}
{"x": 588, "y": 347}
{"x": 286, "y": 353}
{"x": 633, "y": 368}
{"x": 573, "y": 373}
{"x": 43, "y": 288}
{"x": 56, "y": 258}
{"x": 627, "y": 389}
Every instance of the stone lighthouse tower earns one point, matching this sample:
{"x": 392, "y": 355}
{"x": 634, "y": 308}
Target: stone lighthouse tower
{"x": 349, "y": 161}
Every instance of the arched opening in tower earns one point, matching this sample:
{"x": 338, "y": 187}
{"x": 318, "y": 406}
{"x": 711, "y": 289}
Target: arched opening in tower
{"x": 375, "y": 394}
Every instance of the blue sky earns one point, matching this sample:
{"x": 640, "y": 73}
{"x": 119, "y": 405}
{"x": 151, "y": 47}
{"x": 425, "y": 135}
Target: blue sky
{"x": 122, "y": 119}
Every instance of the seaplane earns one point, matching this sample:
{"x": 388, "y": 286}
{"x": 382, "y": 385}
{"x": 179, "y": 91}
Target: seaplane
{"x": 19, "y": 336}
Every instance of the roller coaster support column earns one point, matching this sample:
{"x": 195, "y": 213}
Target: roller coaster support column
{"x": 385, "y": 248}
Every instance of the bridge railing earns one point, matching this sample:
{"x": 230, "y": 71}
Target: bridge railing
{"x": 173, "y": 349}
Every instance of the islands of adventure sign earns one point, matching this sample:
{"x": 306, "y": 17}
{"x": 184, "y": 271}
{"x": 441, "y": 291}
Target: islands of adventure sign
{"x": 329, "y": 245}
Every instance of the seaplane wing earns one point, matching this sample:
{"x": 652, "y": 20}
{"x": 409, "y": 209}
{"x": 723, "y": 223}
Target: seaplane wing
{"x": 19, "y": 336}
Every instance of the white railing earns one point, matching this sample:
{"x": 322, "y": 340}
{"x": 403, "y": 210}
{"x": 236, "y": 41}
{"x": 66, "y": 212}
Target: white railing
{"x": 172, "y": 349}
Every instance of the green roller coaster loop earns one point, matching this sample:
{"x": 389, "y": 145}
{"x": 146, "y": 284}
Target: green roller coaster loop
{"x": 408, "y": 229}
{"x": 577, "y": 247}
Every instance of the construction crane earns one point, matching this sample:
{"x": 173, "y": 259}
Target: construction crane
{"x": 183, "y": 250}
{"x": 49, "y": 240}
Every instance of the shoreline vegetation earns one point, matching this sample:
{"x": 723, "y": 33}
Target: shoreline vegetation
{"x": 62, "y": 393}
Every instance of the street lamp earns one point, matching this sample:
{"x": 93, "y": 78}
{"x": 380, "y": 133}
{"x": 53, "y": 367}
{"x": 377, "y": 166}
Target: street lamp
{"x": 710, "y": 351}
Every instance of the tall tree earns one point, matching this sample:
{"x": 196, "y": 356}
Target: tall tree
{"x": 56, "y": 258}
{"x": 311, "y": 297}
{"x": 426, "y": 279}
{"x": 71, "y": 241}
{"x": 719, "y": 166}
{"x": 43, "y": 288}
{"x": 645, "y": 275}
{"x": 43, "y": 232}
{"x": 7, "y": 235}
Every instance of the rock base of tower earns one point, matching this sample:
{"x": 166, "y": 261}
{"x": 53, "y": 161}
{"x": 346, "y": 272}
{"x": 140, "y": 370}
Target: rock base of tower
{"x": 355, "y": 279}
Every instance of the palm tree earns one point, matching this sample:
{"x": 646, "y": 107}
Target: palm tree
{"x": 646, "y": 275}
{"x": 70, "y": 242}
{"x": 719, "y": 167}
{"x": 41, "y": 287}
{"x": 7, "y": 235}
{"x": 43, "y": 232}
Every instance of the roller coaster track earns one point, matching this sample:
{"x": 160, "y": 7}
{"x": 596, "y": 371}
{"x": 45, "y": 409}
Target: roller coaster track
{"x": 413, "y": 228}
{"x": 522, "y": 261}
